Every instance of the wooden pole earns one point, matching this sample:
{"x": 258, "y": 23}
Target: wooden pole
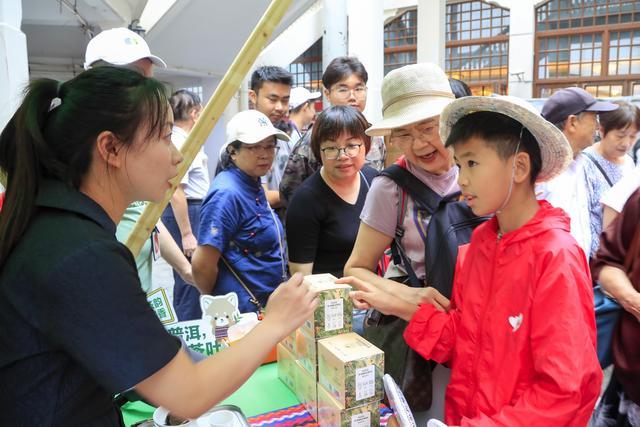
{"x": 228, "y": 86}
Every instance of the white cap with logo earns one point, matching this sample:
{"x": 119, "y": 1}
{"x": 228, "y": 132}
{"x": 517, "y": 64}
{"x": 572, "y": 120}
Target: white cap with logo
{"x": 251, "y": 127}
{"x": 299, "y": 95}
{"x": 118, "y": 46}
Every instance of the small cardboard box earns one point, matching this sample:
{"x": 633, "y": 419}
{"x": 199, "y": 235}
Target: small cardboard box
{"x": 290, "y": 342}
{"x": 334, "y": 314}
{"x": 286, "y": 366}
{"x": 307, "y": 352}
{"x": 332, "y": 414}
{"x": 351, "y": 369}
{"x": 307, "y": 390}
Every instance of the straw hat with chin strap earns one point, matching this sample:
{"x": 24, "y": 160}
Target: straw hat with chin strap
{"x": 411, "y": 94}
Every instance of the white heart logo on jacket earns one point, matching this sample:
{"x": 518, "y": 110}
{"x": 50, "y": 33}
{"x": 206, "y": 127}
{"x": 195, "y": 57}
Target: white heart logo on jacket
{"x": 515, "y": 321}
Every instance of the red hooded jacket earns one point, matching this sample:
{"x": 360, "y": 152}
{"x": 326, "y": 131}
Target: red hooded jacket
{"x": 520, "y": 334}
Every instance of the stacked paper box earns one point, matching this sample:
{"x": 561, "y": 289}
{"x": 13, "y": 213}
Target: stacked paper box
{"x": 334, "y": 314}
{"x": 286, "y": 366}
{"x": 307, "y": 390}
{"x": 332, "y": 414}
{"x": 348, "y": 399}
{"x": 350, "y": 368}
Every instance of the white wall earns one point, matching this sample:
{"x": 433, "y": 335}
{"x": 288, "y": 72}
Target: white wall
{"x": 14, "y": 71}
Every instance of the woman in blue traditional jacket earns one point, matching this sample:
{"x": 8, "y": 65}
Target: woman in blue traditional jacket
{"x": 241, "y": 244}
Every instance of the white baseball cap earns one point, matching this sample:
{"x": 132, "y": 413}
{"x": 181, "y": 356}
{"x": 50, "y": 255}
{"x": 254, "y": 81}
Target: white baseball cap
{"x": 299, "y": 95}
{"x": 251, "y": 127}
{"x": 118, "y": 46}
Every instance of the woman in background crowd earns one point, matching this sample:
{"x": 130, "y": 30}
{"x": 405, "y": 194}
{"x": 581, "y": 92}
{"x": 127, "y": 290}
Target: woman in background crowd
{"x": 608, "y": 160}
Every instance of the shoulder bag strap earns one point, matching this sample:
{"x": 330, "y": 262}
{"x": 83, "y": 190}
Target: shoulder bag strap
{"x": 419, "y": 191}
{"x": 253, "y": 298}
{"x": 396, "y": 247}
{"x": 600, "y": 168}
{"x": 365, "y": 180}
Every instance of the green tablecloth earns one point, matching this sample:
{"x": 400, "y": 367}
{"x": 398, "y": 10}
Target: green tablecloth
{"x": 263, "y": 392}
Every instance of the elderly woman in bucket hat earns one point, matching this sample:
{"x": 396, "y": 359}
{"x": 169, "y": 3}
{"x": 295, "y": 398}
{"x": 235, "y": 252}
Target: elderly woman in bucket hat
{"x": 413, "y": 97}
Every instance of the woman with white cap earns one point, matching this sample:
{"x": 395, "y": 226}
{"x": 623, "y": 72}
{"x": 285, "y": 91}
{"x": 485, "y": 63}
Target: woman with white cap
{"x": 240, "y": 239}
{"x": 413, "y": 97}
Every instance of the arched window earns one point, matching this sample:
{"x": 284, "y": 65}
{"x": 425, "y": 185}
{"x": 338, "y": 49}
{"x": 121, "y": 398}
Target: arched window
{"x": 401, "y": 40}
{"x": 477, "y": 46}
{"x": 594, "y": 44}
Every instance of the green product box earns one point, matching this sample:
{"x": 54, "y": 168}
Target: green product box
{"x": 307, "y": 390}
{"x": 286, "y": 366}
{"x": 351, "y": 369}
{"x": 332, "y": 414}
{"x": 334, "y": 314}
{"x": 290, "y": 342}
{"x": 307, "y": 352}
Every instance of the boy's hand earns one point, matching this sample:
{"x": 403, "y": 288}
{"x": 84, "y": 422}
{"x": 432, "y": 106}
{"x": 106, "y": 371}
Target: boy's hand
{"x": 369, "y": 296}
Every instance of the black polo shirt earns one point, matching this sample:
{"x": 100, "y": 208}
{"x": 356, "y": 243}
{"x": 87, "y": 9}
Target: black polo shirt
{"x": 75, "y": 326}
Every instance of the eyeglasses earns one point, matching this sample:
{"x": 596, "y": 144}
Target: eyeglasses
{"x": 259, "y": 149}
{"x": 333, "y": 153}
{"x": 358, "y": 92}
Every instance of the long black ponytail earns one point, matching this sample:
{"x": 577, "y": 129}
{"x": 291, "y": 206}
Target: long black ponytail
{"x": 53, "y": 132}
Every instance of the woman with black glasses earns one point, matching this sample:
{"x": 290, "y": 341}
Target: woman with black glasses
{"x": 241, "y": 245}
{"x": 324, "y": 214}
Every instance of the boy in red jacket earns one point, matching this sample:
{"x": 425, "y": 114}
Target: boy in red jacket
{"x": 519, "y": 333}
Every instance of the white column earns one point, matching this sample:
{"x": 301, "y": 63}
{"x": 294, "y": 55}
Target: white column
{"x": 14, "y": 68}
{"x": 431, "y": 31}
{"x": 521, "y": 41}
{"x": 334, "y": 39}
{"x": 366, "y": 41}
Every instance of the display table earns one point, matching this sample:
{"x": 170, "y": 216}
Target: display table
{"x": 262, "y": 393}
{"x": 263, "y": 398}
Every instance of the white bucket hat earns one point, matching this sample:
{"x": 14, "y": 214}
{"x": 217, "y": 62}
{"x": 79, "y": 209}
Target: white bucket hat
{"x": 554, "y": 148}
{"x": 118, "y": 46}
{"x": 251, "y": 127}
{"x": 411, "y": 94}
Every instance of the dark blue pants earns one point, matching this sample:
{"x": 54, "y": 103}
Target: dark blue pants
{"x": 186, "y": 298}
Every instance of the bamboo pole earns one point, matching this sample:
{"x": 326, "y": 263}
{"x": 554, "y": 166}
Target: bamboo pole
{"x": 213, "y": 110}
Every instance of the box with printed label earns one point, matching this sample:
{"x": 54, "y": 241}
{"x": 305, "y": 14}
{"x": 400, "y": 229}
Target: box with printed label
{"x": 332, "y": 414}
{"x": 334, "y": 314}
{"x": 290, "y": 342}
{"x": 307, "y": 390}
{"x": 307, "y": 352}
{"x": 351, "y": 369}
{"x": 286, "y": 366}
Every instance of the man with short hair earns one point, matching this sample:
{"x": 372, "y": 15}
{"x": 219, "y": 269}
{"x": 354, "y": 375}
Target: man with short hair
{"x": 301, "y": 111}
{"x": 269, "y": 93}
{"x": 575, "y": 112}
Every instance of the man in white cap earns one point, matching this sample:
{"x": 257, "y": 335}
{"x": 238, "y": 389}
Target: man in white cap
{"x": 123, "y": 48}
{"x": 301, "y": 114}
{"x": 301, "y": 111}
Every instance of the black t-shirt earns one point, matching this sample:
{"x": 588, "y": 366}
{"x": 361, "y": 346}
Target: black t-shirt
{"x": 75, "y": 326}
{"x": 321, "y": 227}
